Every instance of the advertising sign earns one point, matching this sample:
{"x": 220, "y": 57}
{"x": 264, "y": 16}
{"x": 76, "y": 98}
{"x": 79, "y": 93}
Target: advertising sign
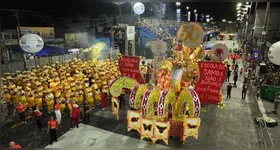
{"x": 212, "y": 77}
{"x": 129, "y": 67}
{"x": 44, "y": 32}
{"x": 130, "y": 32}
{"x": 163, "y": 10}
{"x": 31, "y": 43}
{"x": 76, "y": 38}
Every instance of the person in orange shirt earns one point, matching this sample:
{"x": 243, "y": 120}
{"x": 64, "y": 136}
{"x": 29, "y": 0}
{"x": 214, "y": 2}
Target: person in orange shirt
{"x": 14, "y": 145}
{"x": 52, "y": 128}
{"x": 21, "y": 112}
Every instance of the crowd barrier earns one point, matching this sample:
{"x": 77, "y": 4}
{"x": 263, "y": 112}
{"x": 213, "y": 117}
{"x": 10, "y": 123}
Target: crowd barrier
{"x": 19, "y": 65}
{"x": 259, "y": 113}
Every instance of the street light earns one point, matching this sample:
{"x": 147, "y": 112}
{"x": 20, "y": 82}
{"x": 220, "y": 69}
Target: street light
{"x": 195, "y": 11}
{"x": 211, "y": 18}
{"x": 207, "y": 16}
{"x": 178, "y": 4}
{"x": 239, "y": 5}
{"x": 187, "y": 8}
{"x": 224, "y": 20}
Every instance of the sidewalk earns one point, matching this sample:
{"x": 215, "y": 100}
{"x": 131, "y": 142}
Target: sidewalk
{"x": 275, "y": 131}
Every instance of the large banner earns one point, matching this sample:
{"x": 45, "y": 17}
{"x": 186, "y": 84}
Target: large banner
{"x": 129, "y": 67}
{"x": 76, "y": 38}
{"x": 43, "y": 32}
{"x": 212, "y": 77}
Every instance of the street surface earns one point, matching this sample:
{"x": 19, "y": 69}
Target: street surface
{"x": 230, "y": 127}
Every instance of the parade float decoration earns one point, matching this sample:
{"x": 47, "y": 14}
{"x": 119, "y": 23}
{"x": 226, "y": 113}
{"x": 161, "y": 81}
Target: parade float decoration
{"x": 170, "y": 103}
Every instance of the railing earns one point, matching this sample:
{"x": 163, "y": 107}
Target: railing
{"x": 19, "y": 65}
{"x": 259, "y": 113}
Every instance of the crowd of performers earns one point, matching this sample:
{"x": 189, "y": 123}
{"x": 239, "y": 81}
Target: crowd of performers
{"x": 77, "y": 85}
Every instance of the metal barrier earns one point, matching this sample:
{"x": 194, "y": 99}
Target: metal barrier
{"x": 259, "y": 112}
{"x": 19, "y": 65}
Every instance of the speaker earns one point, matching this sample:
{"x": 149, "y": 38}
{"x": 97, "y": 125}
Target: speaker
{"x": 263, "y": 68}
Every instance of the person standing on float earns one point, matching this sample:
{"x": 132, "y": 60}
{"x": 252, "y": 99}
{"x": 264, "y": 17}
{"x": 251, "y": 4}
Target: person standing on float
{"x": 180, "y": 50}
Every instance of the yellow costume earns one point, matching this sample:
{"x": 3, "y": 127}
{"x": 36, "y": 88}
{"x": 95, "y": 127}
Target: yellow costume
{"x": 49, "y": 98}
{"x": 89, "y": 97}
{"x": 79, "y": 97}
{"x": 38, "y": 100}
{"x": 7, "y": 96}
{"x": 30, "y": 99}
{"x": 62, "y": 104}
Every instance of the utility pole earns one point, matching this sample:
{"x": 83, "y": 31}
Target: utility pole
{"x": 264, "y": 33}
{"x": 19, "y": 36}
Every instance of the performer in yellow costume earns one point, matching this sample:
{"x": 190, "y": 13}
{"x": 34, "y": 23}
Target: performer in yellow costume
{"x": 79, "y": 96}
{"x": 30, "y": 98}
{"x": 38, "y": 99}
{"x": 62, "y": 104}
{"x": 7, "y": 95}
{"x": 89, "y": 95}
{"x": 21, "y": 96}
{"x": 57, "y": 92}
{"x": 49, "y": 98}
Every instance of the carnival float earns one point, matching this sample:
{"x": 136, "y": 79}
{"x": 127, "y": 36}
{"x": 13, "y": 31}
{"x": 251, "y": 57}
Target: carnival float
{"x": 169, "y": 103}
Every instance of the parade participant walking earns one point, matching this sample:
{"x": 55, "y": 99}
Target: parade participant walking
{"x": 228, "y": 74}
{"x": 87, "y": 110}
{"x": 38, "y": 117}
{"x": 14, "y": 145}
{"x": 235, "y": 77}
{"x": 104, "y": 100}
{"x": 52, "y": 128}
{"x": 229, "y": 87}
{"x": 21, "y": 112}
{"x": 75, "y": 116}
{"x": 57, "y": 112}
{"x": 244, "y": 91}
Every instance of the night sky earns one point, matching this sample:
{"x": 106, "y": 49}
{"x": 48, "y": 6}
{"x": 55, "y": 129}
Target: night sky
{"x": 64, "y": 9}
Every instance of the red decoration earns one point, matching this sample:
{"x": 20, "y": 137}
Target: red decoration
{"x": 133, "y": 95}
{"x": 212, "y": 77}
{"x": 129, "y": 67}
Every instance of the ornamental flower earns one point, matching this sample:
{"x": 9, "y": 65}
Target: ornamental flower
{"x": 221, "y": 105}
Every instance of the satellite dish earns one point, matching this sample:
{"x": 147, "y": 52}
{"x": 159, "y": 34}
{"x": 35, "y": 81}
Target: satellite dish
{"x": 138, "y": 8}
{"x": 274, "y": 53}
{"x": 31, "y": 43}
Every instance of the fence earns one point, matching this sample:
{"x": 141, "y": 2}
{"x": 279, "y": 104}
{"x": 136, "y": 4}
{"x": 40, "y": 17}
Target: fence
{"x": 19, "y": 65}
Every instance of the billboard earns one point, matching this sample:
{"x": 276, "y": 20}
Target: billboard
{"x": 43, "y": 32}
{"x": 80, "y": 39}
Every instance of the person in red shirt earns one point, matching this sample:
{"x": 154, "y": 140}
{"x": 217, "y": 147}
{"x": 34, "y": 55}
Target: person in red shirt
{"x": 21, "y": 112}
{"x": 52, "y": 128}
{"x": 104, "y": 100}
{"x": 180, "y": 50}
{"x": 75, "y": 116}
{"x": 38, "y": 117}
{"x": 13, "y": 145}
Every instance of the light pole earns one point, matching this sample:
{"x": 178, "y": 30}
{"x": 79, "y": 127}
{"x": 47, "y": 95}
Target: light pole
{"x": 178, "y": 4}
{"x": 187, "y": 11}
{"x": 195, "y": 15}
